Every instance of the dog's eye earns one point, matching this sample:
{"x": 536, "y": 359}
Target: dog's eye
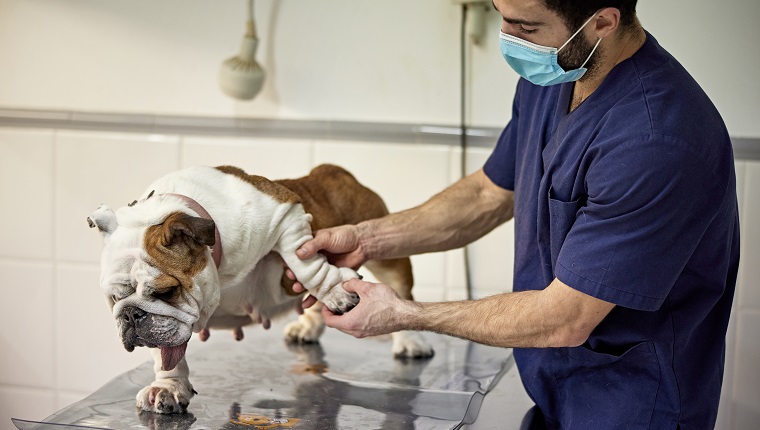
{"x": 165, "y": 295}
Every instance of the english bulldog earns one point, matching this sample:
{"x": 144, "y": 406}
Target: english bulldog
{"x": 206, "y": 247}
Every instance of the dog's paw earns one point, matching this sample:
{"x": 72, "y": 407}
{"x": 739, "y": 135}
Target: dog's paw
{"x": 306, "y": 329}
{"x": 338, "y": 300}
{"x": 410, "y": 344}
{"x": 166, "y": 396}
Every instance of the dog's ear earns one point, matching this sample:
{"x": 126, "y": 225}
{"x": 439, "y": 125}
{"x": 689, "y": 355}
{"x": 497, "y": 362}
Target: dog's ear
{"x": 180, "y": 225}
{"x": 104, "y": 219}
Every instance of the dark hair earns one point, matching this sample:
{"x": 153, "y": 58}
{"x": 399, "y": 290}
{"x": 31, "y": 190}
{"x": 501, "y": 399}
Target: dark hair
{"x": 576, "y": 12}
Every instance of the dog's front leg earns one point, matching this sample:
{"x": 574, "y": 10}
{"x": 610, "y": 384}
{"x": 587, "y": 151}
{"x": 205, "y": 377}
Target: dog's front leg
{"x": 171, "y": 392}
{"x": 323, "y": 280}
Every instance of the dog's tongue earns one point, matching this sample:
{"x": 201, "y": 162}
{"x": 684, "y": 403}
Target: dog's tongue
{"x": 171, "y": 355}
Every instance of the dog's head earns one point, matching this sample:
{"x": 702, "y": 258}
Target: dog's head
{"x": 157, "y": 274}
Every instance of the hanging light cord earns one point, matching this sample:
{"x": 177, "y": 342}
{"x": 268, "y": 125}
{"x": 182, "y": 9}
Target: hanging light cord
{"x": 463, "y": 131}
{"x": 251, "y": 24}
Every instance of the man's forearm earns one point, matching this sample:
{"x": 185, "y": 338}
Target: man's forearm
{"x": 460, "y": 214}
{"x": 506, "y": 320}
{"x": 553, "y": 317}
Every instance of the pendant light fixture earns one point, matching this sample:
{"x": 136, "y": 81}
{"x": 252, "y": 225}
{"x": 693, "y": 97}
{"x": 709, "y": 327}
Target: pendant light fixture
{"x": 241, "y": 77}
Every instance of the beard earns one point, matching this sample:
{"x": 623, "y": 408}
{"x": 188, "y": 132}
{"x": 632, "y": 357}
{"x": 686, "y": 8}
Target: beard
{"x": 576, "y": 52}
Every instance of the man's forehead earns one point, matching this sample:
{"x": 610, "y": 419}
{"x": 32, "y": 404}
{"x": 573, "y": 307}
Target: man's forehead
{"x": 528, "y": 12}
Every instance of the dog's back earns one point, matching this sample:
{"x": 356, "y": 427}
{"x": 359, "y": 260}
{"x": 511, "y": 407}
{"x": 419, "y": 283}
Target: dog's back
{"x": 329, "y": 189}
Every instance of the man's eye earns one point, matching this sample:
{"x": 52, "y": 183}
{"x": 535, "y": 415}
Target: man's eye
{"x": 525, "y": 30}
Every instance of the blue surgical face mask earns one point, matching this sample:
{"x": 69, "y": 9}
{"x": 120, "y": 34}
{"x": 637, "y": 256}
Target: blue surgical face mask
{"x": 538, "y": 64}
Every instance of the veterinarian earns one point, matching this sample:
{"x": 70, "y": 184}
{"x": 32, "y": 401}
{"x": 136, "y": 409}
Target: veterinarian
{"x": 618, "y": 172}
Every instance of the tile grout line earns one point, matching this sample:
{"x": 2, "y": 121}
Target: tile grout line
{"x": 55, "y": 284}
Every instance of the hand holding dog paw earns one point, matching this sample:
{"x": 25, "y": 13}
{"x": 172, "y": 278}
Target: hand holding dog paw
{"x": 379, "y": 311}
{"x": 340, "y": 301}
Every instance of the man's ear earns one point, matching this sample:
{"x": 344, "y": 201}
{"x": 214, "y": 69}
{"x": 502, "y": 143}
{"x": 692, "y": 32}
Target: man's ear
{"x": 607, "y": 21}
{"x": 104, "y": 219}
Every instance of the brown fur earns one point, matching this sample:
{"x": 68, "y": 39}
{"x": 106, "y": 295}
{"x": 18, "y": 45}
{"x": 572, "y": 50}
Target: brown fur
{"x": 176, "y": 247}
{"x": 262, "y": 184}
{"x": 334, "y": 197}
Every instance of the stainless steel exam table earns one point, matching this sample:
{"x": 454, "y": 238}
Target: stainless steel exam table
{"x": 341, "y": 383}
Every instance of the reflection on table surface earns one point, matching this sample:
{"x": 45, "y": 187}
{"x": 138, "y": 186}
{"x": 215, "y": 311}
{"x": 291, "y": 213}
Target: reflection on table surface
{"x": 340, "y": 383}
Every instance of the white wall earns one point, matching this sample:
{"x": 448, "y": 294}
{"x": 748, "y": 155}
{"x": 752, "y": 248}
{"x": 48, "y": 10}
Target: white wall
{"x": 365, "y": 60}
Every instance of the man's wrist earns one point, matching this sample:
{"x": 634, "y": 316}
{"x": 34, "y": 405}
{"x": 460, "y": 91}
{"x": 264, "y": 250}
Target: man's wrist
{"x": 365, "y": 235}
{"x": 409, "y": 315}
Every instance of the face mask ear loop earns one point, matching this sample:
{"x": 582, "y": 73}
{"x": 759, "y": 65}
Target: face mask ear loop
{"x": 576, "y": 33}
{"x": 592, "y": 52}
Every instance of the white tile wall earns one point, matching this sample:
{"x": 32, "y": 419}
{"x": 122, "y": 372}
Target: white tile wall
{"x": 24, "y": 403}
{"x": 271, "y": 158}
{"x": 27, "y": 337}
{"x": 68, "y": 347}
{"x": 746, "y": 394}
{"x": 102, "y": 168}
{"x": 26, "y": 186}
{"x": 744, "y": 367}
{"x": 749, "y": 298}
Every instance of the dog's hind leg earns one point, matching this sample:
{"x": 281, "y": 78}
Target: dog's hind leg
{"x": 397, "y": 274}
{"x": 308, "y": 327}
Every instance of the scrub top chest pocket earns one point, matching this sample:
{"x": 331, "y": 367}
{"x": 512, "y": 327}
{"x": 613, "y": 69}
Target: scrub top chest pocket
{"x": 562, "y": 216}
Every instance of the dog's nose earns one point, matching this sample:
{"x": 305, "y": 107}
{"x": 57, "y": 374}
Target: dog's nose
{"x": 133, "y": 315}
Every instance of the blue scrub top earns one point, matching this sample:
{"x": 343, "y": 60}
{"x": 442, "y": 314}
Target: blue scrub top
{"x": 630, "y": 198}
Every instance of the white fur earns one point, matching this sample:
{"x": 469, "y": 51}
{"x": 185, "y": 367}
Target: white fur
{"x": 253, "y": 226}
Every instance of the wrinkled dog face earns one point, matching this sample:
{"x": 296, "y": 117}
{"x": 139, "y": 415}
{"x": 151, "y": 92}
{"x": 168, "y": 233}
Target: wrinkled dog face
{"x": 157, "y": 275}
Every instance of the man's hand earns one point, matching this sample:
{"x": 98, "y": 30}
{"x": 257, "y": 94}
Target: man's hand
{"x": 380, "y": 311}
{"x": 340, "y": 245}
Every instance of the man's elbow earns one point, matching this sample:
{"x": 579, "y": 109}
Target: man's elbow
{"x": 572, "y": 314}
{"x": 570, "y": 334}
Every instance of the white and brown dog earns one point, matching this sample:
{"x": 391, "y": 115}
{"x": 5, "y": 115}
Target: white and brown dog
{"x": 206, "y": 248}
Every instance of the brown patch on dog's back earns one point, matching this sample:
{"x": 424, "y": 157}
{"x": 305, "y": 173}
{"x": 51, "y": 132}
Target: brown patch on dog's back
{"x": 177, "y": 248}
{"x": 281, "y": 194}
{"x": 334, "y": 197}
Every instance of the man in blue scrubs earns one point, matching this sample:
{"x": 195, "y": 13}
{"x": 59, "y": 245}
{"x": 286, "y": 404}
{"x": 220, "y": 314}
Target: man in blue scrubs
{"x": 619, "y": 174}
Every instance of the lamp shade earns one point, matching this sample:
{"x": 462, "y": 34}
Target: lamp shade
{"x": 241, "y": 77}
